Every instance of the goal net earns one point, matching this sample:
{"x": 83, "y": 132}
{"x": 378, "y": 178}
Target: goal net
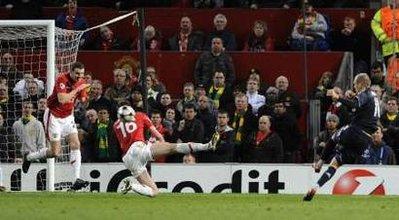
{"x": 32, "y": 53}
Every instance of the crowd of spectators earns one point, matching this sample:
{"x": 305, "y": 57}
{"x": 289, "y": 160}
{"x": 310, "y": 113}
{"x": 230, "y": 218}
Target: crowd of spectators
{"x": 258, "y": 123}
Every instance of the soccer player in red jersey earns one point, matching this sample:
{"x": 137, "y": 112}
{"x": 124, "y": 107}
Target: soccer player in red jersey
{"x": 60, "y": 122}
{"x": 129, "y": 130}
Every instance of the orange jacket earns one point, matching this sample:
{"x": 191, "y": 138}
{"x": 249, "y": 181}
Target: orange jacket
{"x": 388, "y": 16}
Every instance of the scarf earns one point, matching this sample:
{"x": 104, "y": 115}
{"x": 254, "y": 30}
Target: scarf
{"x": 215, "y": 95}
{"x": 102, "y": 137}
{"x": 238, "y": 123}
{"x": 391, "y": 117}
{"x": 183, "y": 42}
{"x": 26, "y": 119}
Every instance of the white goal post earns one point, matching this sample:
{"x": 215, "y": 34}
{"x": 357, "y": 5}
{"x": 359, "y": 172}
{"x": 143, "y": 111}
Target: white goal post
{"x": 50, "y": 70}
{"x": 40, "y": 49}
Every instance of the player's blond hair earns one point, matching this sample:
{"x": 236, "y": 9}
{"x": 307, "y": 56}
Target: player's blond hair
{"x": 362, "y": 82}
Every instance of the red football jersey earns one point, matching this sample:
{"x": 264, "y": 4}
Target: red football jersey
{"x": 130, "y": 132}
{"x": 63, "y": 84}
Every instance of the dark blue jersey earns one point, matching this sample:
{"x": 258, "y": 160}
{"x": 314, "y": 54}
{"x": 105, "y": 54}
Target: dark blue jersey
{"x": 367, "y": 110}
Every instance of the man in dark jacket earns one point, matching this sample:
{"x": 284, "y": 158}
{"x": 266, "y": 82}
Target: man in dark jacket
{"x": 285, "y": 125}
{"x": 225, "y": 149}
{"x": 186, "y": 39}
{"x": 264, "y": 145}
{"x": 210, "y": 61}
{"x": 243, "y": 122}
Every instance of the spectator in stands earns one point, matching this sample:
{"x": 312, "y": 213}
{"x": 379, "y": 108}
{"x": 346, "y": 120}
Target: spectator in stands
{"x": 9, "y": 71}
{"x": 29, "y": 130}
{"x": 383, "y": 25}
{"x": 206, "y": 116}
{"x": 329, "y": 4}
{"x": 254, "y": 74}
{"x": 210, "y": 61}
{"x": 350, "y": 39}
{"x": 207, "y": 3}
{"x": 73, "y": 19}
{"x": 310, "y": 31}
{"x": 254, "y": 98}
{"x": 21, "y": 87}
{"x": 152, "y": 94}
{"x": 189, "y": 129}
{"x": 325, "y": 83}
{"x": 136, "y": 100}
{"x": 10, "y": 109}
{"x": 189, "y": 159}
{"x": 390, "y": 123}
{"x": 219, "y": 93}
{"x": 88, "y": 77}
{"x": 169, "y": 122}
{"x": 119, "y": 91}
{"x": 321, "y": 139}
{"x": 189, "y": 98}
{"x": 243, "y": 122}
{"x": 186, "y": 39}
{"x": 97, "y": 99}
{"x": 89, "y": 120}
{"x": 41, "y": 107}
{"x": 259, "y": 40}
{"x": 272, "y": 94}
{"x": 291, "y": 100}
{"x": 337, "y": 108}
{"x": 34, "y": 94}
{"x": 379, "y": 93}
{"x": 379, "y": 153}
{"x": 263, "y": 145}
{"x": 164, "y": 103}
{"x": 107, "y": 40}
{"x": 157, "y": 84}
{"x": 286, "y": 126}
{"x": 153, "y": 39}
{"x": 377, "y": 75}
{"x": 8, "y": 148}
{"x": 228, "y": 38}
{"x": 225, "y": 149}
{"x": 102, "y": 139}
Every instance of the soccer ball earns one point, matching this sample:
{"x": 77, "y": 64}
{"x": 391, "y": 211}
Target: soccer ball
{"x": 126, "y": 113}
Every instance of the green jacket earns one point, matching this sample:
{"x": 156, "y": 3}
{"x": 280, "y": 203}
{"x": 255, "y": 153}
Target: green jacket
{"x": 389, "y": 47}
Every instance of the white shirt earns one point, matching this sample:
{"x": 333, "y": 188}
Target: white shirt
{"x": 256, "y": 101}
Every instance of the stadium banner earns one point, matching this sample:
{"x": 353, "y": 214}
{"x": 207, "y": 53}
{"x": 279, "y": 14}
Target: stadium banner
{"x": 214, "y": 178}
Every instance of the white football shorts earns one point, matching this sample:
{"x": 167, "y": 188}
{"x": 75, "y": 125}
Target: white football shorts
{"x": 58, "y": 127}
{"x": 136, "y": 158}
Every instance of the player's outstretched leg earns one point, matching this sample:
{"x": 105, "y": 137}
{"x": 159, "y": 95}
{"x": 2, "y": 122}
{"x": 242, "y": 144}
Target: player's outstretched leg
{"x": 327, "y": 175}
{"x": 164, "y": 148}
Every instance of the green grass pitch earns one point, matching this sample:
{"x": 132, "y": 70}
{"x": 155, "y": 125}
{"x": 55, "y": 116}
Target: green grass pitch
{"x": 194, "y": 206}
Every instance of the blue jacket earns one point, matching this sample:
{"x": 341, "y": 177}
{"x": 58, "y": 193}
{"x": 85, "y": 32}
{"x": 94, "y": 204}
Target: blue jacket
{"x": 382, "y": 155}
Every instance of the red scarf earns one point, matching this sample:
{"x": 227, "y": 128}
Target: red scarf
{"x": 260, "y": 136}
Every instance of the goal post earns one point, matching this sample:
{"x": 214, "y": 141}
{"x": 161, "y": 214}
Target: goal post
{"x": 41, "y": 50}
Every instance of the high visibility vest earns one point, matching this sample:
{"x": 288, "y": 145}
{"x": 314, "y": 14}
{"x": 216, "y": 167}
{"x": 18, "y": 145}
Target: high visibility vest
{"x": 389, "y": 18}
{"x": 392, "y": 77}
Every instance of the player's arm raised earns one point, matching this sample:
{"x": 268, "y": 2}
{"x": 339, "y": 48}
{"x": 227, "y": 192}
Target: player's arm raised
{"x": 64, "y": 97}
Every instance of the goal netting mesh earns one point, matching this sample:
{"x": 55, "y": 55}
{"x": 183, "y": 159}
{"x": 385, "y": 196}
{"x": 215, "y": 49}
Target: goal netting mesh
{"x": 23, "y": 74}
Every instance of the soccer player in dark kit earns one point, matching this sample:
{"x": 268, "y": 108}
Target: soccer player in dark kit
{"x": 348, "y": 142}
